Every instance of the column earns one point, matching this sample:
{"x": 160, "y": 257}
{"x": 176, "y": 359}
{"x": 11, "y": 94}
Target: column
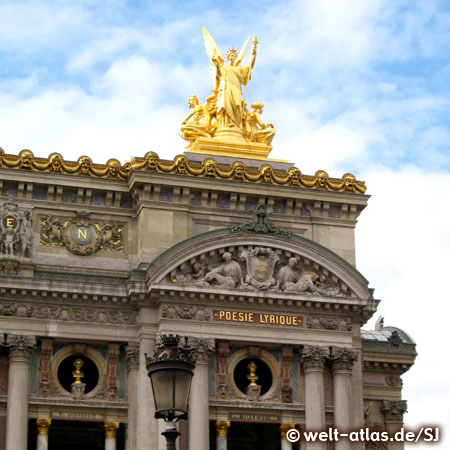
{"x": 393, "y": 415}
{"x": 42, "y": 438}
{"x": 221, "y": 434}
{"x": 198, "y": 400}
{"x": 284, "y": 428}
{"x": 342, "y": 359}
{"x": 132, "y": 355}
{"x": 18, "y": 386}
{"x": 313, "y": 358}
{"x": 147, "y": 435}
{"x": 110, "y": 435}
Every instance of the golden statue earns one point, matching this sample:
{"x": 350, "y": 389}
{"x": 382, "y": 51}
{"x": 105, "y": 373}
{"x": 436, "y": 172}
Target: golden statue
{"x": 77, "y": 373}
{"x": 197, "y": 123}
{"x": 229, "y": 80}
{"x": 252, "y": 377}
{"x": 256, "y": 129}
{"x": 224, "y": 124}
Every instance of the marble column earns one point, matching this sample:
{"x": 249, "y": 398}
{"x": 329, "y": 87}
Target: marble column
{"x": 342, "y": 359}
{"x": 18, "y": 386}
{"x": 393, "y": 415}
{"x": 132, "y": 355}
{"x": 110, "y": 435}
{"x": 284, "y": 428}
{"x": 313, "y": 359}
{"x": 42, "y": 437}
{"x": 199, "y": 396}
{"x": 221, "y": 434}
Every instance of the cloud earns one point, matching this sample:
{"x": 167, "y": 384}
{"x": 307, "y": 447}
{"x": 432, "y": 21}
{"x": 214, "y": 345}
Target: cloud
{"x": 402, "y": 248}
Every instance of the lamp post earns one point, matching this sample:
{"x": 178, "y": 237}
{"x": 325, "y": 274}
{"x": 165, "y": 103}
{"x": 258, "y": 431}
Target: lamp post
{"x": 170, "y": 371}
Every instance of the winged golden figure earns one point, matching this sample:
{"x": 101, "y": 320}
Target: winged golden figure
{"x": 230, "y": 77}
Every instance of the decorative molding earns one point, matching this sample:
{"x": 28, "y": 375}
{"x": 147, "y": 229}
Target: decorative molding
{"x": 132, "y": 352}
{"x": 9, "y": 267}
{"x": 260, "y": 223}
{"x": 313, "y": 357}
{"x": 284, "y": 428}
{"x": 392, "y": 380}
{"x": 201, "y": 348}
{"x": 45, "y": 368}
{"x": 181, "y": 166}
{"x": 223, "y": 350}
{"x": 287, "y": 354}
{"x": 20, "y": 346}
{"x": 80, "y": 235}
{"x": 43, "y": 425}
{"x": 111, "y": 429}
{"x": 112, "y": 372}
{"x": 188, "y": 312}
{"x": 69, "y": 313}
{"x": 222, "y": 427}
{"x": 393, "y": 410}
{"x": 338, "y": 323}
{"x": 395, "y": 339}
{"x": 342, "y": 358}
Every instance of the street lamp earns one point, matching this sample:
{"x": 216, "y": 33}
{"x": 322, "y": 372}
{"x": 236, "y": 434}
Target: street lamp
{"x": 170, "y": 371}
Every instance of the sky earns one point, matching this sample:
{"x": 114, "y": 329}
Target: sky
{"x": 350, "y": 85}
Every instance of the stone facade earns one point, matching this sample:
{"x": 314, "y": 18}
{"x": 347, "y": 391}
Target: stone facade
{"x": 97, "y": 260}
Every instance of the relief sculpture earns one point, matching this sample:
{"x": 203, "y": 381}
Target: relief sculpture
{"x": 258, "y": 268}
{"x": 81, "y": 235}
{"x": 16, "y": 232}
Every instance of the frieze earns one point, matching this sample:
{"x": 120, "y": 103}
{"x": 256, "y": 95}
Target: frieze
{"x": 16, "y": 235}
{"x": 73, "y": 314}
{"x": 191, "y": 312}
{"x": 329, "y": 323}
{"x": 257, "y": 268}
{"x": 151, "y": 162}
{"x": 81, "y": 235}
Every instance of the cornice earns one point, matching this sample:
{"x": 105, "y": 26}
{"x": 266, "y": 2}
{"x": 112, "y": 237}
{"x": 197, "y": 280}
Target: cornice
{"x": 180, "y": 165}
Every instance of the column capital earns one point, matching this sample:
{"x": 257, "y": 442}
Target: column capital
{"x": 222, "y": 427}
{"x": 132, "y": 351}
{"x": 342, "y": 359}
{"x": 110, "y": 429}
{"x": 313, "y": 357}
{"x": 393, "y": 410}
{"x": 201, "y": 349}
{"x": 284, "y": 428}
{"x": 20, "y": 346}
{"x": 43, "y": 425}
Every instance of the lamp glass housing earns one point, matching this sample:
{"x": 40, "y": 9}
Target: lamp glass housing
{"x": 171, "y": 383}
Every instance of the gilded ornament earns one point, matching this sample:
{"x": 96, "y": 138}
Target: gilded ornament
{"x": 80, "y": 235}
{"x": 181, "y": 166}
{"x": 43, "y": 425}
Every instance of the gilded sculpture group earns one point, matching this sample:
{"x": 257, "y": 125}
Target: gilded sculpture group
{"x": 226, "y": 108}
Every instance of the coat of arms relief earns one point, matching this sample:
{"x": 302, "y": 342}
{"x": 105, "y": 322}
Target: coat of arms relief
{"x": 259, "y": 268}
